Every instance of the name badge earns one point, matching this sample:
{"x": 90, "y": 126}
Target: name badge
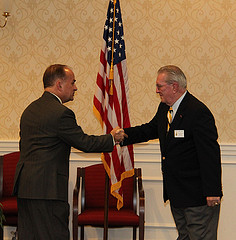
{"x": 179, "y": 133}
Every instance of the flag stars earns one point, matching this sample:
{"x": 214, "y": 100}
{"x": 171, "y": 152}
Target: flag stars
{"x": 117, "y": 51}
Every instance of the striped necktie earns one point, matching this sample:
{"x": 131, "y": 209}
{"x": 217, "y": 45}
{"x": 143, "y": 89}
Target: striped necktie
{"x": 169, "y": 116}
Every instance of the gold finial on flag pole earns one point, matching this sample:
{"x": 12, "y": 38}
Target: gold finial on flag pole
{"x": 111, "y": 74}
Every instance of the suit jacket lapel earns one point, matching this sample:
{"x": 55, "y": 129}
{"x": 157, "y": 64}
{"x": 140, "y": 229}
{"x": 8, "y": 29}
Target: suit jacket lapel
{"x": 178, "y": 117}
{"x": 181, "y": 110}
{"x": 163, "y": 124}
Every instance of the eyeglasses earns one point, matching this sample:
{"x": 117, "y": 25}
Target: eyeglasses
{"x": 159, "y": 86}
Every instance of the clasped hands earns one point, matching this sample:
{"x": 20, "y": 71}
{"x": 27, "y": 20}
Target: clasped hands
{"x": 118, "y": 134}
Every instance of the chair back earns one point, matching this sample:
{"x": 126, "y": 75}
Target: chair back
{"x": 93, "y": 189}
{"x": 7, "y": 172}
{"x": 90, "y": 185}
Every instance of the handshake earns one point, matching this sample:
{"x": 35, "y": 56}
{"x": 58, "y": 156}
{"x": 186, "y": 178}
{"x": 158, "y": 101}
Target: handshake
{"x": 118, "y": 135}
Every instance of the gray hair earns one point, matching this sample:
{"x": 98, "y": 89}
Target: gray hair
{"x": 174, "y": 74}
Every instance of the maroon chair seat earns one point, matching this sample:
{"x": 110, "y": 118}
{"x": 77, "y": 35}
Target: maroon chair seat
{"x": 121, "y": 218}
{"x": 9, "y": 203}
{"x": 92, "y": 199}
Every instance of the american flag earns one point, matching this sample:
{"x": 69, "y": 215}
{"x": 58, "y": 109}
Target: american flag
{"x": 111, "y": 99}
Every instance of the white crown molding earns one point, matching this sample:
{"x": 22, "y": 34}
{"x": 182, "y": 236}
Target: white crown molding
{"x": 148, "y": 152}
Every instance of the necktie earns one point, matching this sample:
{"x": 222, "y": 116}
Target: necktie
{"x": 169, "y": 116}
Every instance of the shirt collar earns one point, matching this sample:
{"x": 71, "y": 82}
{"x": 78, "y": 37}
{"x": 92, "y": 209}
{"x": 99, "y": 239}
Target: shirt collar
{"x": 175, "y": 106}
{"x": 56, "y": 97}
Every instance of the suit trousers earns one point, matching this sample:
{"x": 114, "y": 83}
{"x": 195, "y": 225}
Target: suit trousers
{"x": 196, "y": 223}
{"x": 43, "y": 219}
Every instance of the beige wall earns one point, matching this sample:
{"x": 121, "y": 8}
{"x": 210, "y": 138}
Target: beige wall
{"x": 198, "y": 35}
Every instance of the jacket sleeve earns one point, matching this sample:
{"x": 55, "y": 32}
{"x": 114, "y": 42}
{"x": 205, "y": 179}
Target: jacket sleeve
{"x": 205, "y": 137}
{"x": 142, "y": 133}
{"x": 73, "y": 135}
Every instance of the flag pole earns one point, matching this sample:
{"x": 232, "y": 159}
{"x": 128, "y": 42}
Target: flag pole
{"x": 111, "y": 74}
{"x": 112, "y": 111}
{"x": 111, "y": 78}
{"x": 106, "y": 207}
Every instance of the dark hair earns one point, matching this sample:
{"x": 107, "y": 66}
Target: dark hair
{"x": 52, "y": 73}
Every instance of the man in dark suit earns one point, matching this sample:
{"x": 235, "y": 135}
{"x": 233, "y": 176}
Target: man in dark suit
{"x": 48, "y": 129}
{"x": 191, "y": 162}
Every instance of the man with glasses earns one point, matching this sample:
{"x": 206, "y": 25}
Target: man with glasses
{"x": 191, "y": 162}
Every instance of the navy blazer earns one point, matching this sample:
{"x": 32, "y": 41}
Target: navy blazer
{"x": 191, "y": 162}
{"x": 48, "y": 129}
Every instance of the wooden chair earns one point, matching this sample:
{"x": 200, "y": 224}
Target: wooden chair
{"x": 92, "y": 194}
{"x": 9, "y": 203}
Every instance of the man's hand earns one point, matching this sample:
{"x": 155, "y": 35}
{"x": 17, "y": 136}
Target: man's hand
{"x": 118, "y": 134}
{"x": 213, "y": 201}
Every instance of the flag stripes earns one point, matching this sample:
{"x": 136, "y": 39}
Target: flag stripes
{"x": 112, "y": 109}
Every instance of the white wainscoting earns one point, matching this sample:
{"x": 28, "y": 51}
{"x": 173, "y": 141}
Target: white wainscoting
{"x": 159, "y": 222}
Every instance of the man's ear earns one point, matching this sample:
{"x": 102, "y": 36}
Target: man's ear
{"x": 175, "y": 87}
{"x": 58, "y": 85}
